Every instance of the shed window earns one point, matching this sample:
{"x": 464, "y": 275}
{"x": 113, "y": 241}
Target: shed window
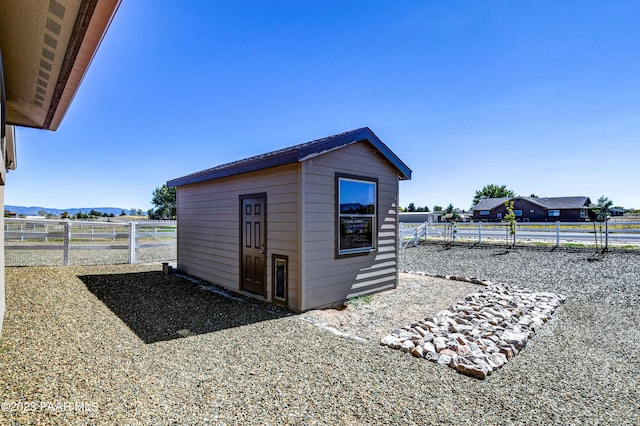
{"x": 357, "y": 198}
{"x": 554, "y": 212}
{"x": 517, "y": 212}
{"x": 484, "y": 212}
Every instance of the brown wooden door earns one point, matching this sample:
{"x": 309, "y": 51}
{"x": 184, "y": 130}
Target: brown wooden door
{"x": 253, "y": 247}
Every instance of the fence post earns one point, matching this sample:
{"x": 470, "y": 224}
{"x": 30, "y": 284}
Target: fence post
{"x": 66, "y": 243}
{"x": 557, "y": 234}
{"x": 132, "y": 242}
{"x": 606, "y": 235}
{"x": 479, "y": 232}
{"x": 426, "y": 231}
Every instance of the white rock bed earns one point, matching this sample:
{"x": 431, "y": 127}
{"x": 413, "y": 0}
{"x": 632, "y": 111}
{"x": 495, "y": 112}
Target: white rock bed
{"x": 481, "y": 333}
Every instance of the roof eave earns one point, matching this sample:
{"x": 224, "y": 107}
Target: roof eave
{"x": 83, "y": 23}
{"x": 90, "y": 28}
{"x": 405, "y": 171}
{"x": 279, "y": 160}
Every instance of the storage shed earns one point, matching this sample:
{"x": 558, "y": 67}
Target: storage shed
{"x": 304, "y": 227}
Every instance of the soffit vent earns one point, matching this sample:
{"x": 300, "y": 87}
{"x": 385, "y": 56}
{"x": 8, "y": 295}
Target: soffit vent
{"x": 50, "y": 44}
{"x": 56, "y": 9}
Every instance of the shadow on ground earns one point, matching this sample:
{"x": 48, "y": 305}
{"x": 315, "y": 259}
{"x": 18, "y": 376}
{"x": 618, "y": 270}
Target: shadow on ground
{"x": 159, "y": 308}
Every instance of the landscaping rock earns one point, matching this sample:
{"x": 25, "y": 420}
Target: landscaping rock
{"x": 480, "y": 334}
{"x": 388, "y": 340}
{"x": 472, "y": 370}
{"x": 407, "y": 346}
{"x": 418, "y": 352}
{"x": 429, "y": 347}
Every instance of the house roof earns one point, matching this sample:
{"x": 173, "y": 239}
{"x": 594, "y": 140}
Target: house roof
{"x": 47, "y": 47}
{"x": 553, "y": 203}
{"x": 489, "y": 203}
{"x": 565, "y": 202}
{"x": 294, "y": 154}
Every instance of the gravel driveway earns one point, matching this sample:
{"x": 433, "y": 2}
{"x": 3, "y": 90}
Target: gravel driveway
{"x": 122, "y": 344}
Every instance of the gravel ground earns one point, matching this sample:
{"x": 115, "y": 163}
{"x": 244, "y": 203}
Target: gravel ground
{"x": 137, "y": 348}
{"x": 80, "y": 257}
{"x": 372, "y": 317}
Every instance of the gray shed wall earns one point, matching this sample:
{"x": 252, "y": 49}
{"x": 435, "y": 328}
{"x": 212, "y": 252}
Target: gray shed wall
{"x": 328, "y": 279}
{"x": 301, "y": 224}
{"x": 208, "y": 226}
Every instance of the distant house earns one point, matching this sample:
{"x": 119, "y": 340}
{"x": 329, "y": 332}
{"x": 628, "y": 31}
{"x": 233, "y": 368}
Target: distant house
{"x": 420, "y": 217}
{"x": 616, "y": 211}
{"x": 528, "y": 209}
{"x": 304, "y": 227}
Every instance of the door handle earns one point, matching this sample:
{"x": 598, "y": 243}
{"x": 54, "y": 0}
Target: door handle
{"x": 262, "y": 249}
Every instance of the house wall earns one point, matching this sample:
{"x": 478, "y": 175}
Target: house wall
{"x": 569, "y": 215}
{"x": 2, "y": 284}
{"x": 491, "y": 217}
{"x": 328, "y": 279}
{"x": 208, "y": 226}
{"x": 531, "y": 211}
{"x": 3, "y": 179}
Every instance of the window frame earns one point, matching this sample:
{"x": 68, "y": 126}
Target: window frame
{"x": 556, "y": 213}
{"x": 361, "y": 251}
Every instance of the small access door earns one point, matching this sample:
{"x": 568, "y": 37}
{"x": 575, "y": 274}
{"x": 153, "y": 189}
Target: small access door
{"x": 253, "y": 250}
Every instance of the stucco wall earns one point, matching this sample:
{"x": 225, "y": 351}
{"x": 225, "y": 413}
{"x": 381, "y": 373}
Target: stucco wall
{"x": 2, "y": 292}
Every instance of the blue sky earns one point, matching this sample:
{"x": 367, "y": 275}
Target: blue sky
{"x": 543, "y": 97}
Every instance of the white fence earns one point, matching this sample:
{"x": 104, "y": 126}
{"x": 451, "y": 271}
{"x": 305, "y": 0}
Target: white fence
{"x": 619, "y": 234}
{"x": 43, "y": 242}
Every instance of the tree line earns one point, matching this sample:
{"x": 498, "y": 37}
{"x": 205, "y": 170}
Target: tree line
{"x": 163, "y": 199}
{"x": 91, "y": 214}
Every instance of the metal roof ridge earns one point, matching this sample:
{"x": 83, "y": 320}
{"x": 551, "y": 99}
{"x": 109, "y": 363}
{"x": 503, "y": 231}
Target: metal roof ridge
{"x": 296, "y": 153}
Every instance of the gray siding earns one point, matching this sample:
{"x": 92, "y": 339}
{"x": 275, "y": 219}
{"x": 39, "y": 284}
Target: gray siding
{"x": 208, "y": 226}
{"x": 328, "y": 279}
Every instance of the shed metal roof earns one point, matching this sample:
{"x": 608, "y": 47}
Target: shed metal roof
{"x": 294, "y": 154}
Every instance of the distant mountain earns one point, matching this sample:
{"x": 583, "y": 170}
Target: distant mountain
{"x": 357, "y": 208}
{"x": 33, "y": 211}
